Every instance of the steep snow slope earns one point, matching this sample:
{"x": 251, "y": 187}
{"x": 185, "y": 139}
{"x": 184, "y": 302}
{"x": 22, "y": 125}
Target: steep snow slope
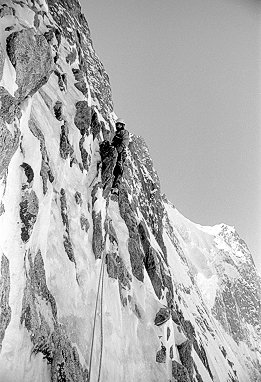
{"x": 95, "y": 287}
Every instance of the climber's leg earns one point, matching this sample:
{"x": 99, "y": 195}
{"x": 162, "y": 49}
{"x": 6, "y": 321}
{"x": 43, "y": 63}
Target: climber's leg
{"x": 118, "y": 171}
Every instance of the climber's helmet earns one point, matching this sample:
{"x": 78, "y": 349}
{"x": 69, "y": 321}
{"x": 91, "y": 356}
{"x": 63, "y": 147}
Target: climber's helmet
{"x": 120, "y": 123}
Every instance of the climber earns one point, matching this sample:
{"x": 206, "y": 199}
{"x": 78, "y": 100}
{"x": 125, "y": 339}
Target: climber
{"x": 152, "y": 191}
{"x": 120, "y": 141}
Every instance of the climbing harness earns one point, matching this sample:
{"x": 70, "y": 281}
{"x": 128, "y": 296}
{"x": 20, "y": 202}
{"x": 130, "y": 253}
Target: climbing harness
{"x": 100, "y": 286}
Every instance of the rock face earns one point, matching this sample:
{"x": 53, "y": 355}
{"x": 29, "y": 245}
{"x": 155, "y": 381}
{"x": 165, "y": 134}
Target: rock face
{"x": 162, "y": 316}
{"x": 95, "y": 286}
{"x": 31, "y": 56}
{"x": 8, "y": 146}
{"x": 5, "y": 314}
{"x": 179, "y": 372}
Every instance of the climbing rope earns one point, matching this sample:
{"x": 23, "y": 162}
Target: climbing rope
{"x": 101, "y": 310}
{"x": 100, "y": 284}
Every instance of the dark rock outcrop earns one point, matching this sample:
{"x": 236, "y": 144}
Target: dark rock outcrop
{"x": 189, "y": 330}
{"x": 80, "y": 78}
{"x": 9, "y": 106}
{"x": 78, "y": 198}
{"x": 28, "y": 172}
{"x": 97, "y": 241}
{"x": 85, "y": 225}
{"x": 46, "y": 172}
{"x": 29, "y": 207}
{"x": 66, "y": 236}
{"x": 134, "y": 245}
{"x": 168, "y": 333}
{"x": 2, "y": 208}
{"x": 154, "y": 265}
{"x": 98, "y": 238}
{"x": 49, "y": 35}
{"x": 66, "y": 149}
{"x": 36, "y": 285}
{"x": 230, "y": 309}
{"x": 186, "y": 359}
{"x": 58, "y": 110}
{"x": 81, "y": 86}
{"x": 117, "y": 269}
{"x": 8, "y": 145}
{"x": 175, "y": 317}
{"x": 95, "y": 124}
{"x": 136, "y": 257}
{"x": 62, "y": 80}
{"x": 6, "y": 10}
{"x": 161, "y": 355}
{"x": 71, "y": 57}
{"x": 47, "y": 335}
{"x": 171, "y": 355}
{"x": 65, "y": 361}
{"x": 82, "y": 117}
{"x": 179, "y": 372}
{"x": 86, "y": 159}
{"x": 5, "y": 310}
{"x": 162, "y": 316}
{"x": 31, "y": 57}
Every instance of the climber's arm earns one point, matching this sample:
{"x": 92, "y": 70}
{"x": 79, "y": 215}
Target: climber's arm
{"x": 125, "y": 138}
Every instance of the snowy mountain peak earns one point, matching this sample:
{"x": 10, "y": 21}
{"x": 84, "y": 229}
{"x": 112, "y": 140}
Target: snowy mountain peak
{"x": 216, "y": 229}
{"x": 96, "y": 286}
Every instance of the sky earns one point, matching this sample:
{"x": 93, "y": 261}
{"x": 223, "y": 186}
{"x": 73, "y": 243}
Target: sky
{"x": 185, "y": 75}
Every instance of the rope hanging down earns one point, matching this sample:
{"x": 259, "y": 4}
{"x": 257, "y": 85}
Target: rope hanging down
{"x": 101, "y": 311}
{"x": 100, "y": 285}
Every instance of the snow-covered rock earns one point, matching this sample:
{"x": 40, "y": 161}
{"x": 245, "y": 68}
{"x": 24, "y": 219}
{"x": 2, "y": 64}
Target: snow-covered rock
{"x": 94, "y": 286}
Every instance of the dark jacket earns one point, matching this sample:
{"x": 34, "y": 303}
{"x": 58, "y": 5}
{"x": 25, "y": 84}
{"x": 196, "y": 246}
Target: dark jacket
{"x": 121, "y": 140}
